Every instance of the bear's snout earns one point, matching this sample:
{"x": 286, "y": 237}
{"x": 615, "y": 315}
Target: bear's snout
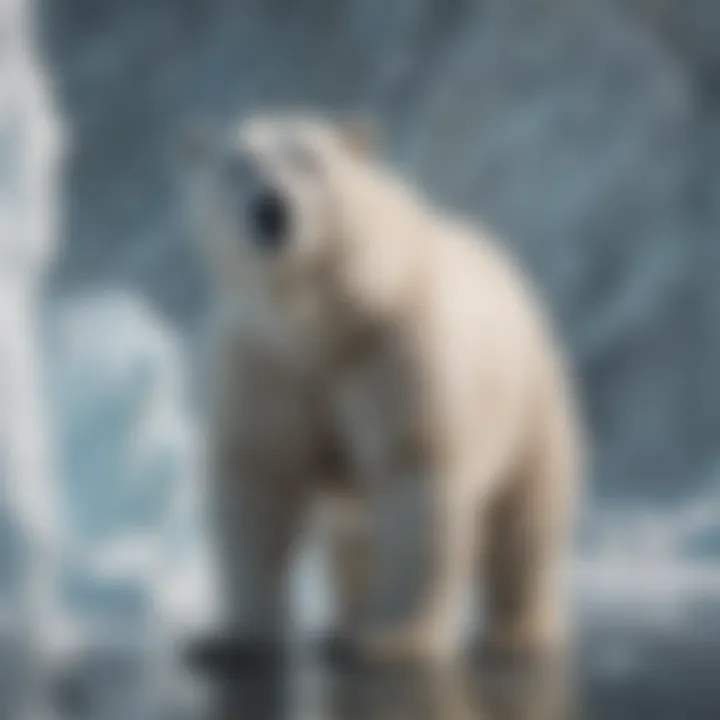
{"x": 269, "y": 219}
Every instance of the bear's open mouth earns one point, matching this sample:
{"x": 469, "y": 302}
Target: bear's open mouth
{"x": 269, "y": 220}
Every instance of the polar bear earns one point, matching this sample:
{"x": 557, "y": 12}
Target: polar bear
{"x": 371, "y": 348}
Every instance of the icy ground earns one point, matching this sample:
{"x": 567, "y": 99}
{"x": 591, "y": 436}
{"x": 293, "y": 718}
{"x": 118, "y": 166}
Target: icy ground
{"x": 134, "y": 576}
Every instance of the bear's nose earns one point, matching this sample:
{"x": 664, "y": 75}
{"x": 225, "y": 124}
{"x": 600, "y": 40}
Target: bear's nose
{"x": 269, "y": 219}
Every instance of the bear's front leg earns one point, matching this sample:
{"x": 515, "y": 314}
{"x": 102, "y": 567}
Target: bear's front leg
{"x": 255, "y": 517}
{"x": 256, "y": 520}
{"x": 259, "y": 454}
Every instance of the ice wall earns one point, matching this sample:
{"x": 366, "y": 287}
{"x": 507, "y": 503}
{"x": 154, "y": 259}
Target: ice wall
{"x": 135, "y": 576}
{"x": 31, "y": 525}
{"x": 128, "y": 462}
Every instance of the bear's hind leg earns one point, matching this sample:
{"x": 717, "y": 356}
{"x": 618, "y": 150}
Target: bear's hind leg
{"x": 526, "y": 542}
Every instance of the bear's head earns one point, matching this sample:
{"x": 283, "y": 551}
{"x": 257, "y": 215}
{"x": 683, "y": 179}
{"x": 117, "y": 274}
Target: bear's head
{"x": 295, "y": 208}
{"x": 273, "y": 186}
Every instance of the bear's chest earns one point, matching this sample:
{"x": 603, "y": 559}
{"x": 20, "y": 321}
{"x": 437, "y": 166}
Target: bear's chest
{"x": 379, "y": 410}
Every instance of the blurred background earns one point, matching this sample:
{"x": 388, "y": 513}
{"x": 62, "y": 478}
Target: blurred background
{"x": 585, "y": 133}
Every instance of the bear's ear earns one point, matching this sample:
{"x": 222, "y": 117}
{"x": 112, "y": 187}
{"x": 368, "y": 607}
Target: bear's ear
{"x": 195, "y": 143}
{"x": 361, "y": 134}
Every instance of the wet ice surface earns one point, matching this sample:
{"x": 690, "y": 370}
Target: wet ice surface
{"x": 616, "y": 673}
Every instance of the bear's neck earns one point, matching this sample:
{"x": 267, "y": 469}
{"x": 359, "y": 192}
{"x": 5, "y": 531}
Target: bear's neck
{"x": 386, "y": 249}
